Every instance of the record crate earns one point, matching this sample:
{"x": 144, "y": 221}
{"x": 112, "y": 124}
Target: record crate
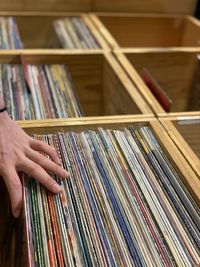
{"x": 37, "y": 32}
{"x": 16, "y": 247}
{"x": 174, "y": 70}
{"x": 184, "y": 130}
{"x": 147, "y": 30}
{"x": 102, "y": 87}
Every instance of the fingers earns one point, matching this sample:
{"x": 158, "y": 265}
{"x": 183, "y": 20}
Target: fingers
{"x": 47, "y": 164}
{"x": 37, "y": 172}
{"x": 14, "y": 187}
{"x": 43, "y": 161}
{"x": 43, "y": 147}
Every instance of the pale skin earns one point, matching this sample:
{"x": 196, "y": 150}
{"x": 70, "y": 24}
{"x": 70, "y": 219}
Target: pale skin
{"x": 19, "y": 153}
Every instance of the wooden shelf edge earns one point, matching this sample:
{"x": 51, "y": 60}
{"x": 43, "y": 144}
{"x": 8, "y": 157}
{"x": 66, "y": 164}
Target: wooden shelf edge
{"x": 181, "y": 143}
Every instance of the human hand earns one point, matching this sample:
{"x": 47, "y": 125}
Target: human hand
{"x": 18, "y": 152}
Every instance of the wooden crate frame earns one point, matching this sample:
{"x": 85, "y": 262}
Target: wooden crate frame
{"x": 183, "y": 30}
{"x": 182, "y": 138}
{"x": 30, "y": 22}
{"x": 123, "y": 55}
{"x": 101, "y": 84}
{"x": 51, "y": 126}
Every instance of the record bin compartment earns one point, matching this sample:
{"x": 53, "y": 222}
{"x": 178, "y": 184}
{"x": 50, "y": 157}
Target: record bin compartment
{"x": 20, "y": 256}
{"x": 102, "y": 86}
{"x": 37, "y": 32}
{"x": 176, "y": 71}
{"x": 185, "y": 132}
{"x": 147, "y": 30}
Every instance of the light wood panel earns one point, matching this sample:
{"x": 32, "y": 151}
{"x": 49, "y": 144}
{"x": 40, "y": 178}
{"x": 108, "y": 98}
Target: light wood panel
{"x": 174, "y": 70}
{"x": 116, "y": 99}
{"x": 185, "y": 132}
{"x": 190, "y": 130}
{"x": 46, "y": 5}
{"x": 153, "y": 6}
{"x": 147, "y": 30}
{"x": 191, "y": 35}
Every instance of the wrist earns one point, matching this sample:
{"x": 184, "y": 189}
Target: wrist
{"x": 3, "y": 109}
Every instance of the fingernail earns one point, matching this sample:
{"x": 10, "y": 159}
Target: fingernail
{"x": 16, "y": 213}
{"x": 58, "y": 161}
{"x": 57, "y": 188}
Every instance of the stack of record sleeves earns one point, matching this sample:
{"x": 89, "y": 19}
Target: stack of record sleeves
{"x": 9, "y": 34}
{"x": 74, "y": 33}
{"x": 39, "y": 92}
{"x": 123, "y": 205}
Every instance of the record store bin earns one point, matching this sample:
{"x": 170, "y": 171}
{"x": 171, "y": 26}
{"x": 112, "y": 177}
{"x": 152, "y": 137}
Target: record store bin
{"x": 147, "y": 30}
{"x": 15, "y": 246}
{"x": 101, "y": 85}
{"x": 176, "y": 72}
{"x": 109, "y": 86}
{"x": 38, "y": 30}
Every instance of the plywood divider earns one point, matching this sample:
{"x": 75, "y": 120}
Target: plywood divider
{"x": 192, "y": 32}
{"x": 81, "y": 123}
{"x": 180, "y": 115}
{"x": 190, "y": 178}
{"x": 154, "y": 6}
{"x": 132, "y": 91}
{"x": 137, "y": 80}
{"x": 145, "y": 6}
{"x": 184, "y": 131}
{"x": 43, "y": 5}
{"x": 53, "y": 52}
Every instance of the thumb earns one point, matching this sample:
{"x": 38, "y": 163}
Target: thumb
{"x": 14, "y": 187}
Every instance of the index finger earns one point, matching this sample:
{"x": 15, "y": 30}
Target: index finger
{"x": 41, "y": 146}
{"x": 47, "y": 164}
